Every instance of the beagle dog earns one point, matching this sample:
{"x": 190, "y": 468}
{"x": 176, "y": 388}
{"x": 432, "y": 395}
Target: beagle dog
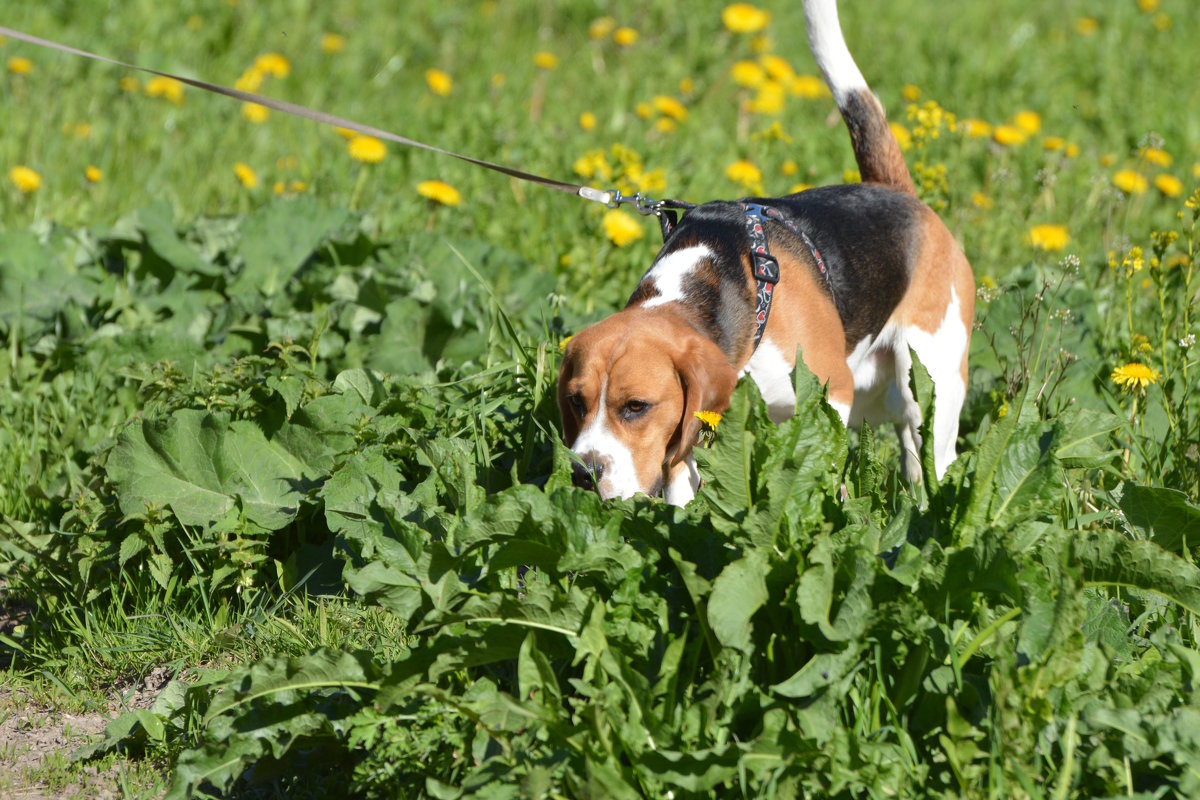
{"x": 852, "y": 276}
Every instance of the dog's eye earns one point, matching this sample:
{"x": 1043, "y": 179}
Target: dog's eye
{"x": 634, "y": 409}
{"x": 577, "y": 404}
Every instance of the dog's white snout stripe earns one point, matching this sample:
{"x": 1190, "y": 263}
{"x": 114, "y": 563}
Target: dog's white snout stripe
{"x": 598, "y": 445}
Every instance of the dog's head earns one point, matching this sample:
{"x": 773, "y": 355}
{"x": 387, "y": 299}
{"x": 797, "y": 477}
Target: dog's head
{"x": 629, "y": 389}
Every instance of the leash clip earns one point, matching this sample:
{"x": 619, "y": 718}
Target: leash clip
{"x": 641, "y": 204}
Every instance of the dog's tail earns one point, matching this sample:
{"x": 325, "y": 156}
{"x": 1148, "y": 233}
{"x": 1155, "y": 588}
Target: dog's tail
{"x": 875, "y": 147}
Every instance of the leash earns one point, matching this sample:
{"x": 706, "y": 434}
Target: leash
{"x": 665, "y": 210}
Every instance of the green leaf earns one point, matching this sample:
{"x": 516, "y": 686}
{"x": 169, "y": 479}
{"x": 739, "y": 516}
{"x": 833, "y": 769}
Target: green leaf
{"x": 738, "y": 592}
{"x": 276, "y": 241}
{"x": 726, "y": 465}
{"x": 1166, "y": 515}
{"x": 200, "y": 465}
{"x": 157, "y": 224}
{"x": 1109, "y": 558}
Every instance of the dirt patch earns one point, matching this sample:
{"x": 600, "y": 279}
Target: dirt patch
{"x": 36, "y": 744}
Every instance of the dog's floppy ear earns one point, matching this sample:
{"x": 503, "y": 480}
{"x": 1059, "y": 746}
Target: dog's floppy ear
{"x": 569, "y": 423}
{"x": 708, "y": 382}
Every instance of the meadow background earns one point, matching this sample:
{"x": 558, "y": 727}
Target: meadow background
{"x": 277, "y": 417}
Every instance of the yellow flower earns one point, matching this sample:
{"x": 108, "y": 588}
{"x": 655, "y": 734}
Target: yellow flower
{"x": 744, "y": 173}
{"x": 644, "y": 110}
{"x": 255, "y": 113}
{"x": 686, "y": 85}
{"x": 797, "y": 188}
{"x": 1028, "y": 121}
{"x": 810, "y": 87}
{"x": 195, "y": 23}
{"x": 273, "y": 64}
{"x": 129, "y": 84}
{"x": 790, "y": 168}
{"x": 710, "y": 419}
{"x": 601, "y": 27}
{"x": 665, "y": 125}
{"x": 19, "y": 65}
{"x": 982, "y": 201}
{"x": 1169, "y": 185}
{"x": 910, "y": 92}
{"x": 748, "y": 74}
{"x": 279, "y": 188}
{"x": 778, "y": 68}
{"x": 439, "y": 82}
{"x": 744, "y": 18}
{"x": 562, "y": 345}
{"x": 297, "y": 186}
{"x": 587, "y": 120}
{"x": 366, "y": 149}
{"x": 1162, "y": 21}
{"x": 1009, "y": 135}
{"x": 25, "y": 179}
{"x": 625, "y": 37}
{"x": 1086, "y": 26}
{"x": 903, "y": 137}
{"x": 439, "y": 192}
{"x": 166, "y": 88}
{"x": 545, "y": 60}
{"x": 497, "y": 80}
{"x": 345, "y": 133}
{"x": 93, "y": 174}
{"x": 1134, "y": 376}
{"x": 1196, "y": 171}
{"x": 246, "y": 175}
{"x": 1130, "y": 181}
{"x": 1071, "y": 150}
{"x": 250, "y": 80}
{"x": 1156, "y": 156}
{"x": 670, "y": 107}
{"x": 1148, "y": 6}
{"x": 621, "y": 227}
{"x": 768, "y": 99}
{"x": 332, "y": 42}
{"x": 1049, "y": 237}
{"x": 1053, "y": 143}
{"x": 975, "y": 128}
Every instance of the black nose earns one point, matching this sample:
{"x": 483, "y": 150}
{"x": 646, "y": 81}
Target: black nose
{"x": 581, "y": 475}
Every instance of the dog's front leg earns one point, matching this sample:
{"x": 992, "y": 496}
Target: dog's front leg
{"x": 681, "y": 482}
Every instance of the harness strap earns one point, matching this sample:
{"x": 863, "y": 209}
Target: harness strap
{"x": 766, "y": 266}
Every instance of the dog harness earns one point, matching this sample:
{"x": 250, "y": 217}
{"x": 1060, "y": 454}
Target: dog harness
{"x": 766, "y": 266}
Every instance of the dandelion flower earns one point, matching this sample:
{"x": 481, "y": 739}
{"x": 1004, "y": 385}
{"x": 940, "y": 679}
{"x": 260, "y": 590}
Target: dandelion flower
{"x": 1028, "y": 121}
{"x": 166, "y": 88}
{"x": 297, "y": 186}
{"x": 744, "y": 18}
{"x": 273, "y": 64}
{"x": 25, "y": 179}
{"x": 768, "y": 99}
{"x": 1086, "y": 26}
{"x": 601, "y": 28}
{"x": 903, "y": 137}
{"x": 19, "y": 65}
{"x": 1169, "y": 185}
{"x": 129, "y": 84}
{"x": 686, "y": 85}
{"x": 1051, "y": 238}
{"x": 250, "y": 80}
{"x": 545, "y": 60}
{"x": 789, "y": 168}
{"x": 748, "y": 74}
{"x": 366, "y": 149}
{"x": 982, "y": 201}
{"x": 665, "y": 125}
{"x": 710, "y": 419}
{"x": 777, "y": 68}
{"x": 439, "y": 192}
{"x": 808, "y": 87}
{"x": 587, "y": 120}
{"x": 1148, "y": 6}
{"x": 670, "y": 107}
{"x": 797, "y": 188}
{"x": 1156, "y": 156}
{"x": 246, "y": 175}
{"x": 93, "y": 174}
{"x": 332, "y": 42}
{"x": 1130, "y": 181}
{"x": 1134, "y": 377}
{"x": 621, "y": 228}
{"x": 1053, "y": 143}
{"x": 644, "y": 110}
{"x": 1009, "y": 135}
{"x": 439, "y": 82}
{"x": 345, "y": 133}
{"x": 910, "y": 92}
{"x": 255, "y": 113}
{"x": 744, "y": 173}
{"x": 975, "y": 128}
{"x": 625, "y": 37}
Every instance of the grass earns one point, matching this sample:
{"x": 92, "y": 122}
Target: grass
{"x": 135, "y": 297}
